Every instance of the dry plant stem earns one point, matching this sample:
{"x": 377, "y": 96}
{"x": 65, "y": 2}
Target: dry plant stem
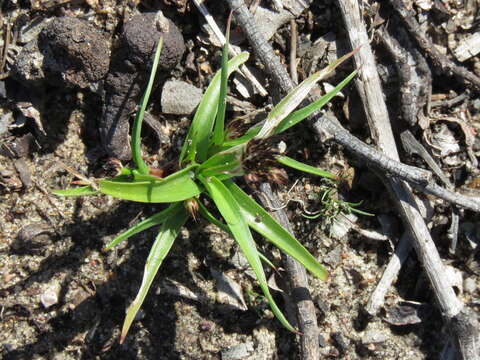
{"x": 322, "y": 124}
{"x": 293, "y": 51}
{"x": 414, "y": 75}
{"x": 377, "y": 298}
{"x": 297, "y": 278}
{"x": 450, "y": 196}
{"x": 413, "y": 146}
{"x": 6, "y": 46}
{"x": 440, "y": 60}
{"x": 369, "y": 88}
{"x": 218, "y": 33}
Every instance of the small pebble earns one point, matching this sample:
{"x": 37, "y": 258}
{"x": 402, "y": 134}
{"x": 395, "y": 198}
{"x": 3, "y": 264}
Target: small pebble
{"x": 50, "y": 296}
{"x": 180, "y": 98}
{"x": 374, "y": 336}
{"x": 321, "y": 341}
{"x": 237, "y": 352}
{"x": 5, "y": 121}
{"x": 3, "y": 90}
{"x": 469, "y": 285}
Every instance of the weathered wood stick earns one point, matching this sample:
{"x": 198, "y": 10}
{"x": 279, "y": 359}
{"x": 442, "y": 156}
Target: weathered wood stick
{"x": 377, "y": 297}
{"x": 370, "y": 90}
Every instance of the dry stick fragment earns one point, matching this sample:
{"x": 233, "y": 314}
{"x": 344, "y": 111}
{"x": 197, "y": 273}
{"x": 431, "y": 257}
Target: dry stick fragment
{"x": 322, "y": 123}
{"x": 218, "y": 33}
{"x": 368, "y": 85}
{"x": 414, "y": 75}
{"x": 293, "y": 51}
{"x": 377, "y": 297}
{"x": 448, "y": 103}
{"x": 8, "y": 33}
{"x": 440, "y": 60}
{"x": 412, "y": 146}
{"x": 297, "y": 277}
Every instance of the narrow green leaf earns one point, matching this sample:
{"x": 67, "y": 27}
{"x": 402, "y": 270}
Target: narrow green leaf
{"x": 295, "y": 97}
{"x": 222, "y": 103}
{"x": 262, "y": 222}
{"x": 176, "y": 187}
{"x": 232, "y": 214}
{"x": 210, "y": 217}
{"x": 77, "y": 191}
{"x": 137, "y": 176}
{"x": 288, "y": 104}
{"x": 361, "y": 212}
{"x": 299, "y": 115}
{"x": 137, "y": 124}
{"x": 225, "y": 162}
{"x": 156, "y": 219}
{"x": 293, "y": 118}
{"x": 249, "y": 135}
{"x": 197, "y": 142}
{"x": 294, "y": 164}
{"x": 162, "y": 245}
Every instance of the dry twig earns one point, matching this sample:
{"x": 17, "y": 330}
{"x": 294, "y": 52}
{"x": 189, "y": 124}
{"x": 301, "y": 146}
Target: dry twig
{"x": 297, "y": 278}
{"x": 414, "y": 75}
{"x": 218, "y": 33}
{"x": 377, "y": 297}
{"x": 293, "y": 51}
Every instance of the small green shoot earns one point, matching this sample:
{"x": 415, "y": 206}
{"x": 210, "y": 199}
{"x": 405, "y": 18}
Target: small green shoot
{"x": 332, "y": 206}
{"x": 208, "y": 162}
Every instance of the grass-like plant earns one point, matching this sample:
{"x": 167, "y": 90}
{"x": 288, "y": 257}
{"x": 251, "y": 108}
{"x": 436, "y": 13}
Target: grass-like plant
{"x": 209, "y": 160}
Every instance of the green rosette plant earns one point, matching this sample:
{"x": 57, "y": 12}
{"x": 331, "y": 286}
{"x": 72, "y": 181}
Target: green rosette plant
{"x": 211, "y": 157}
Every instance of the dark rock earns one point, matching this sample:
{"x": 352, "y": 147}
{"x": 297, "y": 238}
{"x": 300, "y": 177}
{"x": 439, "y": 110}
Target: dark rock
{"x": 339, "y": 342}
{"x": 408, "y": 314}
{"x": 31, "y": 238}
{"x": 141, "y": 34}
{"x": 68, "y": 51}
{"x": 129, "y": 73}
